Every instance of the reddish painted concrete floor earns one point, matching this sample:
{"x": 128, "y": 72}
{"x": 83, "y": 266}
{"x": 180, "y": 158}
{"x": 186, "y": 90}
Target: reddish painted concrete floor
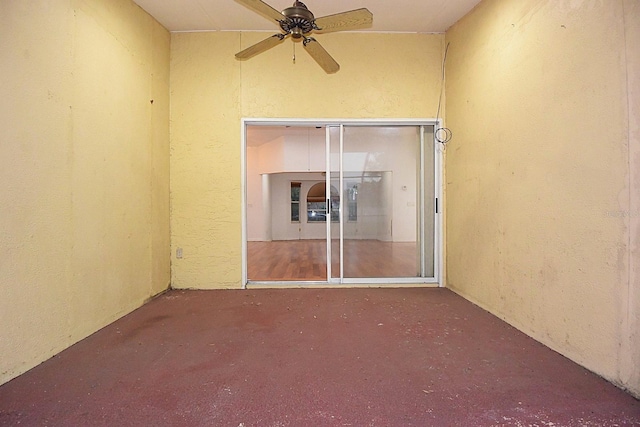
{"x": 309, "y": 357}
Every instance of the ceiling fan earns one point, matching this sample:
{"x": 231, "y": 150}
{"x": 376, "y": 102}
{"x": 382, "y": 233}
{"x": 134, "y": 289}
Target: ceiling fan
{"x": 298, "y": 22}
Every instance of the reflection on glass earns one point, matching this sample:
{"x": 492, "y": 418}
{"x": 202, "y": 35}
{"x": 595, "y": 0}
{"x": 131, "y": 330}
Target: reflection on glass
{"x": 352, "y": 201}
{"x": 295, "y": 212}
{"x": 380, "y": 184}
{"x": 317, "y": 206}
{"x": 334, "y": 169}
{"x": 316, "y": 212}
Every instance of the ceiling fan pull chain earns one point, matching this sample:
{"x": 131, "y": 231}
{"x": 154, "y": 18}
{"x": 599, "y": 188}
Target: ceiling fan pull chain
{"x": 294, "y": 53}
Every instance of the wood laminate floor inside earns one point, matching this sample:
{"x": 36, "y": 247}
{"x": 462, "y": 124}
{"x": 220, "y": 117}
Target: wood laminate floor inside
{"x": 306, "y": 260}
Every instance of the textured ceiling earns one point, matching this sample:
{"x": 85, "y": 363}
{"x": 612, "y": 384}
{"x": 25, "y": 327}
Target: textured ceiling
{"x": 421, "y": 16}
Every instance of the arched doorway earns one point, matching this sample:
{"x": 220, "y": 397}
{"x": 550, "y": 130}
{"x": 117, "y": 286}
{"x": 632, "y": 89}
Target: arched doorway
{"x": 317, "y": 203}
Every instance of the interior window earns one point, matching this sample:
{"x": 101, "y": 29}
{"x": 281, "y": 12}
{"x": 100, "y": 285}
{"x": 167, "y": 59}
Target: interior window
{"x": 295, "y": 201}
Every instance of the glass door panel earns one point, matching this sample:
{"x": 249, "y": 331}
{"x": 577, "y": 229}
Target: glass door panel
{"x": 428, "y": 192}
{"x": 333, "y": 182}
{"x": 381, "y": 204}
{"x": 285, "y": 204}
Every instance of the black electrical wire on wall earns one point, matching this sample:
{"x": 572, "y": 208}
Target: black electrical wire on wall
{"x": 442, "y": 134}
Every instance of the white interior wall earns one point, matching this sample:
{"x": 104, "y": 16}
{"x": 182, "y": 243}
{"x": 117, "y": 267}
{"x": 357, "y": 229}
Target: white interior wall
{"x": 304, "y": 151}
{"x": 281, "y": 225}
{"x": 255, "y": 210}
{"x": 368, "y": 149}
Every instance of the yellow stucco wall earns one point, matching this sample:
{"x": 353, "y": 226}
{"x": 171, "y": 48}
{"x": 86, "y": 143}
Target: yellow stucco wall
{"x": 84, "y": 171}
{"x": 629, "y": 374}
{"x": 540, "y": 223}
{"x": 381, "y": 76}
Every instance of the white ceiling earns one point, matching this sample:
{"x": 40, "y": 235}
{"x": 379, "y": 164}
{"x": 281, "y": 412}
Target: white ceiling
{"x": 414, "y": 16}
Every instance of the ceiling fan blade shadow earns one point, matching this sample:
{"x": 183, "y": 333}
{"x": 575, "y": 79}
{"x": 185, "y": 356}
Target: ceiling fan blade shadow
{"x": 260, "y": 47}
{"x": 321, "y": 56}
{"x": 345, "y": 21}
{"x": 263, "y": 9}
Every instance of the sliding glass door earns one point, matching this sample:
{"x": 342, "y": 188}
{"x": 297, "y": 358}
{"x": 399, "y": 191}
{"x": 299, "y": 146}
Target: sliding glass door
{"x": 362, "y": 195}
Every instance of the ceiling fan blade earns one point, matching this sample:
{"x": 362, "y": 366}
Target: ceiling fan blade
{"x": 320, "y": 55}
{"x": 260, "y": 47}
{"x": 263, "y": 9}
{"x": 351, "y": 20}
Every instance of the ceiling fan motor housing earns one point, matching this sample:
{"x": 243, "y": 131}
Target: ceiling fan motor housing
{"x": 299, "y": 20}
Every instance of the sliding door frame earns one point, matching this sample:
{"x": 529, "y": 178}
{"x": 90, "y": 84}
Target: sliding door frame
{"x": 437, "y": 280}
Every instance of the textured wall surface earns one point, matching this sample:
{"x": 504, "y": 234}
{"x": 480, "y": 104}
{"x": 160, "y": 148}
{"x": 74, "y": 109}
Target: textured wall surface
{"x": 84, "y": 159}
{"x": 542, "y": 175}
{"x": 211, "y": 92}
{"x": 630, "y": 339}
